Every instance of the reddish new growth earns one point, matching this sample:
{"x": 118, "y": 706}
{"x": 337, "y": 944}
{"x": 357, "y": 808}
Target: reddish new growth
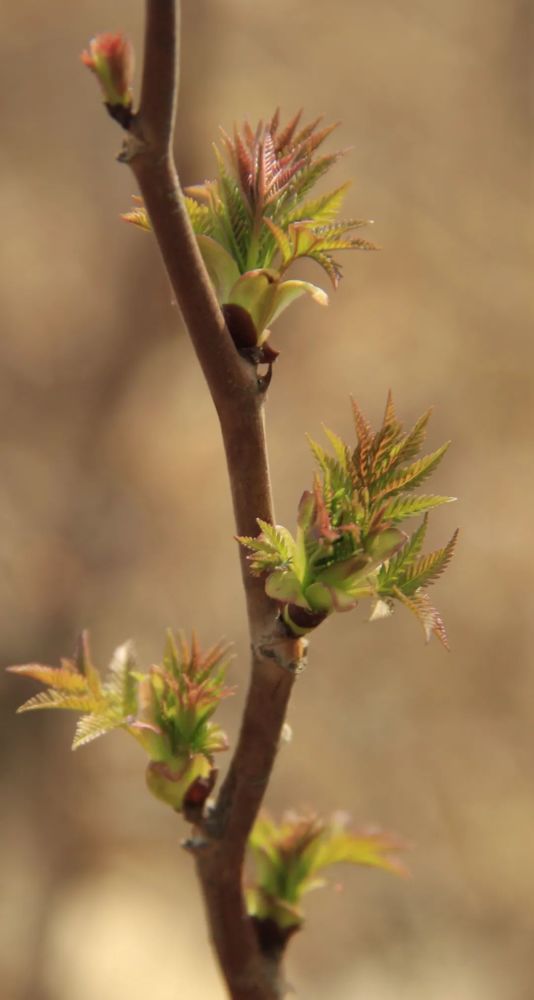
{"x": 110, "y": 57}
{"x": 266, "y": 160}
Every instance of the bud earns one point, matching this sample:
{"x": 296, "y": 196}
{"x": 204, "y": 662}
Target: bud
{"x": 110, "y": 57}
{"x": 171, "y": 782}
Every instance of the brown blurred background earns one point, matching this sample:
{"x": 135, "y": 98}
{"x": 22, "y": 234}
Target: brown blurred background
{"x": 113, "y": 492}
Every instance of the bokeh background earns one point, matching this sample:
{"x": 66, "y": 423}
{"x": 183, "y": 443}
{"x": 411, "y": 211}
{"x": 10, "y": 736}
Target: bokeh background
{"x": 115, "y": 515}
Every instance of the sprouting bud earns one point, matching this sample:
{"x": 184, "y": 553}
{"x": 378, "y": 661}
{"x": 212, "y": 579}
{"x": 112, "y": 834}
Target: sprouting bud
{"x": 167, "y": 710}
{"x": 348, "y": 545}
{"x": 290, "y": 858}
{"x": 110, "y": 57}
{"x": 182, "y": 778}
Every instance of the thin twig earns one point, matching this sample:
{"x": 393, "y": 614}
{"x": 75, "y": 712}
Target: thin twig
{"x": 220, "y": 843}
{"x": 159, "y": 88}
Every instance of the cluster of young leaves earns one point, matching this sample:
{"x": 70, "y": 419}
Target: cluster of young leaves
{"x": 256, "y": 218}
{"x": 289, "y": 860}
{"x": 348, "y": 544}
{"x": 167, "y": 710}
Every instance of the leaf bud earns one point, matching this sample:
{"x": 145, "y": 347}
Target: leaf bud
{"x": 110, "y": 57}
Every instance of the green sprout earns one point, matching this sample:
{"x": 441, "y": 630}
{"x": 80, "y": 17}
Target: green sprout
{"x": 290, "y": 858}
{"x": 167, "y": 710}
{"x": 348, "y": 545}
{"x": 256, "y": 219}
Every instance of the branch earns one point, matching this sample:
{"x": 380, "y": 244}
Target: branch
{"x": 220, "y": 838}
{"x": 148, "y": 150}
{"x": 160, "y": 78}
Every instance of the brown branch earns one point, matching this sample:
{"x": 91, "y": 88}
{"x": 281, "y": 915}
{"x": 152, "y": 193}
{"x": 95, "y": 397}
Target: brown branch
{"x": 220, "y": 840}
{"x": 160, "y": 78}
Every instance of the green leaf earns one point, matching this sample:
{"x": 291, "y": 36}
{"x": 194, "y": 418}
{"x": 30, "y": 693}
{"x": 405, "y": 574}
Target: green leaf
{"x": 168, "y": 711}
{"x": 257, "y": 211}
{"x": 200, "y": 217}
{"x": 138, "y": 217}
{"x": 344, "y": 571}
{"x": 349, "y": 544}
{"x": 84, "y": 663}
{"x": 336, "y": 474}
{"x": 221, "y": 267}
{"x": 289, "y": 860}
{"x": 341, "y": 450}
{"x": 256, "y": 291}
{"x": 402, "y": 448}
{"x": 322, "y": 209}
{"x": 282, "y": 585}
{"x": 170, "y": 782}
{"x": 59, "y": 699}
{"x": 281, "y": 239}
{"x": 427, "y": 568}
{"x": 303, "y": 238}
{"x": 235, "y": 217}
{"x": 334, "y": 236}
{"x": 329, "y": 597}
{"x": 65, "y": 678}
{"x": 214, "y": 739}
{"x": 279, "y": 538}
{"x": 372, "y": 848}
{"x": 311, "y": 174}
{"x": 90, "y": 727}
{"x": 395, "y": 568}
{"x": 288, "y": 291}
{"x": 328, "y": 264}
{"x": 319, "y": 453}
{"x": 122, "y": 681}
{"x": 384, "y": 544}
{"x": 412, "y": 476}
{"x": 410, "y": 505}
{"x": 411, "y": 445}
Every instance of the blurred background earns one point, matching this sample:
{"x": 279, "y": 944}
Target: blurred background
{"x": 113, "y": 491}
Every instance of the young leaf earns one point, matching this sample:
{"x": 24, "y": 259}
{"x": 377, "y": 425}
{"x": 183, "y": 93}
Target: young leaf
{"x": 64, "y": 678}
{"x": 279, "y": 538}
{"x": 348, "y": 543}
{"x": 168, "y": 711}
{"x": 427, "y": 568}
{"x": 394, "y": 569}
{"x": 258, "y": 213}
{"x": 289, "y": 860}
{"x": 427, "y": 615}
{"x": 322, "y": 209}
{"x": 90, "y": 727}
{"x": 59, "y": 699}
{"x": 410, "y": 505}
{"x": 412, "y": 476}
{"x": 371, "y": 848}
